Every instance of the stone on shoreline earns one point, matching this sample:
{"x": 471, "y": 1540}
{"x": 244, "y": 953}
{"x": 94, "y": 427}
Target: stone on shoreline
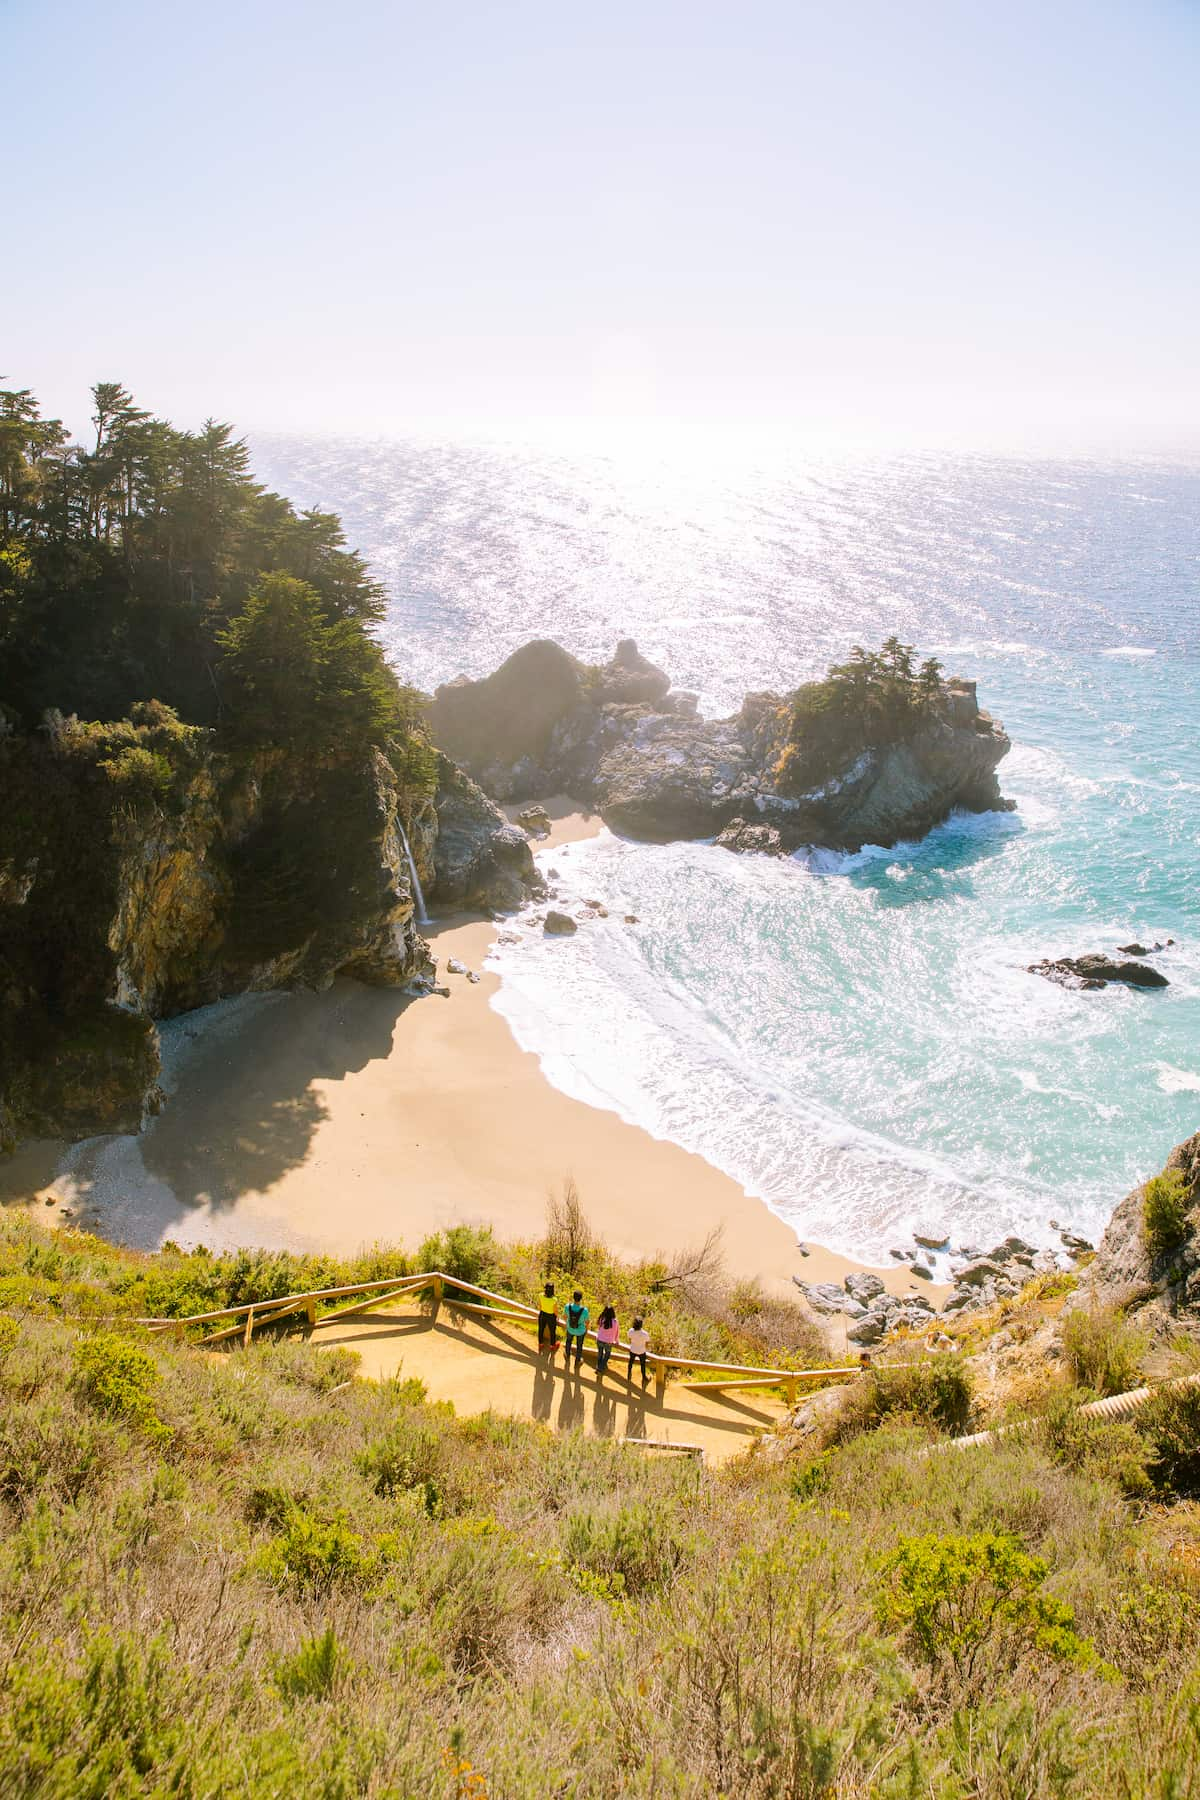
{"x": 559, "y": 924}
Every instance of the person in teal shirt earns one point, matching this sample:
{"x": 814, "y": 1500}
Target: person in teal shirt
{"x": 577, "y": 1316}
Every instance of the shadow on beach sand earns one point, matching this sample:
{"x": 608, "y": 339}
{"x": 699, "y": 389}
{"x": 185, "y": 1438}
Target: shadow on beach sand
{"x": 245, "y": 1111}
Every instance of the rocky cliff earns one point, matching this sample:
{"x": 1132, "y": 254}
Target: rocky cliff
{"x": 1157, "y": 1281}
{"x": 618, "y": 738}
{"x": 143, "y": 874}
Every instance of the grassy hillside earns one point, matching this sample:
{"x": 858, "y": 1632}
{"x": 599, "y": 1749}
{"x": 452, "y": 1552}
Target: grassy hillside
{"x": 227, "y": 1574}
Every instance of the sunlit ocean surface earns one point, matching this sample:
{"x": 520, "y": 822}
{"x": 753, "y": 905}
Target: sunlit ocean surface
{"x": 853, "y": 1038}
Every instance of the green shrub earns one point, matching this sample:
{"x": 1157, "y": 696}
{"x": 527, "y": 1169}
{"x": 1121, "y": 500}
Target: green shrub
{"x": 118, "y": 1377}
{"x": 310, "y": 1673}
{"x": 314, "y": 1555}
{"x": 634, "y": 1543}
{"x": 117, "y": 1727}
{"x": 139, "y": 773}
{"x": 306, "y": 1366}
{"x": 1170, "y": 1424}
{"x": 406, "y": 1461}
{"x": 953, "y": 1596}
{"x": 1165, "y": 1212}
{"x": 936, "y": 1391}
{"x": 1111, "y": 1450}
{"x": 468, "y": 1251}
{"x": 1103, "y": 1351}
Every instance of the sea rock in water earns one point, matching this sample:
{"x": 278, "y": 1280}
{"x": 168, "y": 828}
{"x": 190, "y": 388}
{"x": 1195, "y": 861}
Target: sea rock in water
{"x": 629, "y": 679}
{"x": 764, "y": 840}
{"x": 1143, "y": 949}
{"x": 1097, "y": 971}
{"x": 615, "y": 737}
{"x": 560, "y": 924}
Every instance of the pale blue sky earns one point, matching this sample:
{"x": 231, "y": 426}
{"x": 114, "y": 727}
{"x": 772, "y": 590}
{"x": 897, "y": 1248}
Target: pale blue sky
{"x": 904, "y": 219}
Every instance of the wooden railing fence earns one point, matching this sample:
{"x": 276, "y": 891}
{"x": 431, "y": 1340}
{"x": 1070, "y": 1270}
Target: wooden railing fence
{"x": 449, "y": 1288}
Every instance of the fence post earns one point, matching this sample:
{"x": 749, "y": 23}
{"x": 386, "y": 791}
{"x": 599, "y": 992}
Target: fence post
{"x": 660, "y": 1380}
{"x": 310, "y": 1307}
{"x": 437, "y": 1291}
{"x": 789, "y": 1392}
{"x": 249, "y": 1329}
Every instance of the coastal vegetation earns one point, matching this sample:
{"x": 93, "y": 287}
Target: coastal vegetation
{"x": 235, "y": 1574}
{"x": 875, "y": 697}
{"x": 203, "y": 752}
{"x": 151, "y": 566}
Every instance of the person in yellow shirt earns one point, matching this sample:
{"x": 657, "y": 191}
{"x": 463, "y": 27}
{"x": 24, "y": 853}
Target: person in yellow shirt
{"x": 548, "y": 1319}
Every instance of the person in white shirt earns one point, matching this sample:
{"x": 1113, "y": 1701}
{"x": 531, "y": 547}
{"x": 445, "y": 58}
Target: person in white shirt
{"x": 639, "y": 1343}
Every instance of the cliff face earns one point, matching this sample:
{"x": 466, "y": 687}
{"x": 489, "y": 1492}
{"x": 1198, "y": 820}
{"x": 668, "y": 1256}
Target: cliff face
{"x": 1162, "y": 1291}
{"x": 122, "y": 904}
{"x": 617, "y": 738}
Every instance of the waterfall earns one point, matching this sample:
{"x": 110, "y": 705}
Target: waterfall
{"x": 422, "y": 915}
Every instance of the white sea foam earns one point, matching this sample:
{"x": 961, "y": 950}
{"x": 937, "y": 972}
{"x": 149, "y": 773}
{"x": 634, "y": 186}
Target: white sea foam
{"x": 1130, "y": 650}
{"x": 1177, "y": 1081}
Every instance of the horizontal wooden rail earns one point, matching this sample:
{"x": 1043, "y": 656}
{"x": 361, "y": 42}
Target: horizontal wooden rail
{"x": 787, "y": 1380}
{"x": 447, "y": 1288}
{"x": 260, "y": 1306}
{"x": 696, "y": 1450}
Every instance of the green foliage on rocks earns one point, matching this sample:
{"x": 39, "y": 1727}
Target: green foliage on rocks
{"x": 876, "y": 697}
{"x": 1165, "y": 1212}
{"x": 1103, "y": 1350}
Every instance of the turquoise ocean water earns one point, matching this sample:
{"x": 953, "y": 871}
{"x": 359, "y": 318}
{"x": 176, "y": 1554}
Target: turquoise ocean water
{"x": 854, "y": 1038}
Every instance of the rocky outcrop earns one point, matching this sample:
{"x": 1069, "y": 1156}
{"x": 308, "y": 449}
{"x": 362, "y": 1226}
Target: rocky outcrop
{"x": 1097, "y": 971}
{"x": 743, "y": 836}
{"x": 1160, "y": 1288}
{"x": 122, "y": 904}
{"x": 478, "y": 858}
{"x": 872, "y": 1312}
{"x": 617, "y": 738}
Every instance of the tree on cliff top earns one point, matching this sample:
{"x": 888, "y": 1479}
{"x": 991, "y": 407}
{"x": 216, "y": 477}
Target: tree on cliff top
{"x": 122, "y": 561}
{"x": 291, "y": 675}
{"x": 875, "y": 697}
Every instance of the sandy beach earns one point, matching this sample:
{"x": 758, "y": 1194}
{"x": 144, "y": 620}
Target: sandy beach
{"x": 360, "y": 1115}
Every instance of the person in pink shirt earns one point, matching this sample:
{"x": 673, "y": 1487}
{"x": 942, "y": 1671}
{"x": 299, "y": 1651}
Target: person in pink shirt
{"x": 607, "y": 1334}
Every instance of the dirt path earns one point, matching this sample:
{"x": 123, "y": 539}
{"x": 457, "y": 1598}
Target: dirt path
{"x": 480, "y": 1367}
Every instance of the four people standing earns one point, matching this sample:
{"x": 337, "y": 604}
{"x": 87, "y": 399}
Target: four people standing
{"x": 608, "y": 1332}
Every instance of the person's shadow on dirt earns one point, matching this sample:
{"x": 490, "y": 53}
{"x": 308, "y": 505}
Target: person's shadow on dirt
{"x": 604, "y": 1413}
{"x": 542, "y": 1403}
{"x": 570, "y": 1408}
